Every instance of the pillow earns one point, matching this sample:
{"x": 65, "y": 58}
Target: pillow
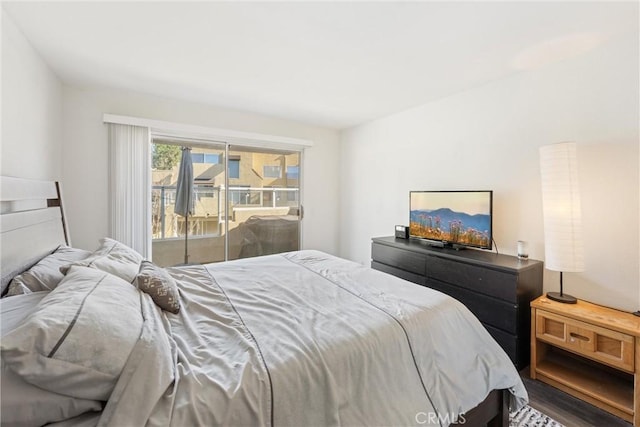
{"x": 23, "y": 404}
{"x": 80, "y": 336}
{"x": 26, "y": 405}
{"x": 14, "y": 310}
{"x": 156, "y": 282}
{"x": 112, "y": 257}
{"x": 45, "y": 275}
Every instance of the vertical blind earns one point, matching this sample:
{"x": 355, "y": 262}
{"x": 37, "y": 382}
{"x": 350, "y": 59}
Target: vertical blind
{"x": 129, "y": 183}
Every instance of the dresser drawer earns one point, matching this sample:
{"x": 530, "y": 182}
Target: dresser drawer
{"x": 399, "y": 258}
{"x": 508, "y": 342}
{"x": 411, "y": 277}
{"x": 490, "y": 282}
{"x": 606, "y": 346}
{"x": 491, "y": 311}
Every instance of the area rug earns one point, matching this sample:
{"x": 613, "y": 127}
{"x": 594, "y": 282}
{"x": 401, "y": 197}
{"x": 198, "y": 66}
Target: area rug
{"x": 530, "y": 417}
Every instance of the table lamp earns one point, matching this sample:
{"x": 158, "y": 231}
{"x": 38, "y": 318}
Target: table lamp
{"x": 561, "y": 212}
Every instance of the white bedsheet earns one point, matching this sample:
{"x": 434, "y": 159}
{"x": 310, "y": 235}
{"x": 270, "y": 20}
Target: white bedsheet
{"x": 305, "y": 338}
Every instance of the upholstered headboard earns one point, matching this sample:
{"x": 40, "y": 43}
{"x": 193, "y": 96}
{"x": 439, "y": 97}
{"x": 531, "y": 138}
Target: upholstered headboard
{"x": 32, "y": 223}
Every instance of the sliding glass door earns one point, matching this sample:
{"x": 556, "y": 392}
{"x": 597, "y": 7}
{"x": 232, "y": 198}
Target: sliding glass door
{"x": 201, "y": 234}
{"x": 263, "y": 202}
{"x": 246, "y": 203}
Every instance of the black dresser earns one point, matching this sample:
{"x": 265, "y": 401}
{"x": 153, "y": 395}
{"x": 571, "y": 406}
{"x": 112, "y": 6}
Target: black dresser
{"x": 496, "y": 288}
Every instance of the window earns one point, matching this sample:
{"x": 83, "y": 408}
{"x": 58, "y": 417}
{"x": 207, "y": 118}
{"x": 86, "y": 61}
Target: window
{"x": 293, "y": 172}
{"x": 271, "y": 171}
{"x": 234, "y": 168}
{"x": 205, "y": 158}
{"x": 231, "y": 204}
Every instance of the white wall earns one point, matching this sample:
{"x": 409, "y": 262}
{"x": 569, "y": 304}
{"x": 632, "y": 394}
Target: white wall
{"x": 488, "y": 138}
{"x": 31, "y": 110}
{"x": 85, "y": 170}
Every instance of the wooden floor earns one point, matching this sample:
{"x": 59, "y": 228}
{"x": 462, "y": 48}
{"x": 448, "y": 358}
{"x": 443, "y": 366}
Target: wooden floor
{"x": 565, "y": 408}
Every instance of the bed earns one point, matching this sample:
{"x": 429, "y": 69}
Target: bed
{"x": 293, "y": 339}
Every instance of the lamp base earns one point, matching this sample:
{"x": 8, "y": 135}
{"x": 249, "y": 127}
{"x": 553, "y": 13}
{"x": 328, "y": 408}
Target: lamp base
{"x": 563, "y": 298}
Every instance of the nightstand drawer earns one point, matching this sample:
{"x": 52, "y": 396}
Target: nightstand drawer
{"x": 606, "y": 346}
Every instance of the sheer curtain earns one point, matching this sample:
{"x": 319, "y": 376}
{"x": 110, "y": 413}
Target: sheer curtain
{"x": 130, "y": 186}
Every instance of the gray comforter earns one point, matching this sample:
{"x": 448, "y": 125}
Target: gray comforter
{"x": 307, "y": 339}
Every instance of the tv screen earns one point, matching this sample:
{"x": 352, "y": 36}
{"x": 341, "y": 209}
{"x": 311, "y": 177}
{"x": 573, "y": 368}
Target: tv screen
{"x": 458, "y": 218}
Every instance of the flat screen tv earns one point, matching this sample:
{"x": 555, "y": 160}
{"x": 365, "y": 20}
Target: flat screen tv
{"x": 452, "y": 218}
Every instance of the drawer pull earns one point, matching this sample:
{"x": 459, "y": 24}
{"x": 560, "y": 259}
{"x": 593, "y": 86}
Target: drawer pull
{"x": 575, "y": 336}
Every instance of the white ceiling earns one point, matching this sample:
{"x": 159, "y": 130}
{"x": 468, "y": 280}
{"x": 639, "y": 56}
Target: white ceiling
{"x": 333, "y": 64}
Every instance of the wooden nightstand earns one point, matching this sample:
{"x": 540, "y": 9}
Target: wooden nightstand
{"x": 589, "y": 351}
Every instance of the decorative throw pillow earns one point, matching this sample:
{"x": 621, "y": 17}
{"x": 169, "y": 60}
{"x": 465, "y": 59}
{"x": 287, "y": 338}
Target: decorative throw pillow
{"x": 45, "y": 275}
{"x": 79, "y": 338}
{"x": 157, "y": 282}
{"x": 112, "y": 257}
{"x": 24, "y": 404}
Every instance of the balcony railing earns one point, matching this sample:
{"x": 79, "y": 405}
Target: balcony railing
{"x": 209, "y": 216}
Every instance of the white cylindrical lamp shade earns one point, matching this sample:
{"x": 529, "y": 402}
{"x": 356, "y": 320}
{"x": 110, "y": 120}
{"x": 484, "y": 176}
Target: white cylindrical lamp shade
{"x": 561, "y": 208}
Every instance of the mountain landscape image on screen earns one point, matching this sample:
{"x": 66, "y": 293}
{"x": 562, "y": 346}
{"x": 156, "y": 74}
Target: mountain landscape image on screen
{"x": 449, "y": 226}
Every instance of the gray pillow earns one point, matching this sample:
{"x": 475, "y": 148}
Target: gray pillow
{"x": 78, "y": 339}
{"x": 112, "y": 257}
{"x": 156, "y": 282}
{"x": 45, "y": 275}
{"x": 24, "y": 404}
